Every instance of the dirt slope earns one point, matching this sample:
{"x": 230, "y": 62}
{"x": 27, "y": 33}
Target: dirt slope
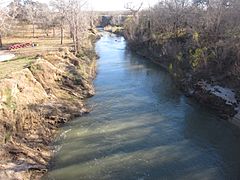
{"x": 33, "y": 102}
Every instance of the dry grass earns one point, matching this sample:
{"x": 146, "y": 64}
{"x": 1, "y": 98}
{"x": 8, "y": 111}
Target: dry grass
{"x": 23, "y": 33}
{"x": 45, "y": 44}
{"x": 24, "y": 56}
{"x": 14, "y": 65}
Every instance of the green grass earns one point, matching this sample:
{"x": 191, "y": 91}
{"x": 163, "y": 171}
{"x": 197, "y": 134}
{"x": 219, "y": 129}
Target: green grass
{"x": 7, "y": 137}
{"x": 9, "y": 102}
{"x": 14, "y": 65}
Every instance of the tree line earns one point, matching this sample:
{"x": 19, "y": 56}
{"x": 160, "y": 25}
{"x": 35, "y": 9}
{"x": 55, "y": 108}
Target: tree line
{"x": 197, "y": 36}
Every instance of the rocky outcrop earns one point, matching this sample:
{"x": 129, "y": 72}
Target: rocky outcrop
{"x": 118, "y": 30}
{"x": 33, "y": 102}
{"x": 222, "y": 99}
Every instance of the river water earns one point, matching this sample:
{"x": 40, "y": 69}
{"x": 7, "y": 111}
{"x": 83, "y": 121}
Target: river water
{"x": 143, "y": 127}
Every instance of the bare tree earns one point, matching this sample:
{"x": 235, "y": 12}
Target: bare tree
{"x": 32, "y": 12}
{"x": 134, "y": 21}
{"x": 7, "y": 16}
{"x": 205, "y": 32}
{"x": 133, "y": 9}
{"x": 3, "y": 18}
{"x": 79, "y": 22}
{"x": 45, "y": 18}
{"x": 61, "y": 7}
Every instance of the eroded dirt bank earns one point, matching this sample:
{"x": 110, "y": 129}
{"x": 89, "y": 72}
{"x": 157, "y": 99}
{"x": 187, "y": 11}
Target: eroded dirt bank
{"x": 34, "y": 102}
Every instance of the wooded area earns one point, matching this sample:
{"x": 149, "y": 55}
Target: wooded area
{"x": 199, "y": 37}
{"x": 60, "y": 14}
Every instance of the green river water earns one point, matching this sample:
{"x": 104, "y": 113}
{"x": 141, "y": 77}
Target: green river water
{"x": 143, "y": 127}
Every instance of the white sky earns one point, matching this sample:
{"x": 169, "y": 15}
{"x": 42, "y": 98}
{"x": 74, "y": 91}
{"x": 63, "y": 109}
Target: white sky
{"x": 113, "y": 5}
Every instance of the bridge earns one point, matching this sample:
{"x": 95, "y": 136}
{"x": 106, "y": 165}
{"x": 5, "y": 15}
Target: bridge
{"x": 112, "y": 18}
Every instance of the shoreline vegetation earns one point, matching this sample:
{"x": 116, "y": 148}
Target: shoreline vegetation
{"x": 198, "y": 44}
{"x": 215, "y": 95}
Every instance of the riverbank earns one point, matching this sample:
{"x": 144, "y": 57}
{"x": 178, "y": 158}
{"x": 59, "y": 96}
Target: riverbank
{"x": 118, "y": 30}
{"x": 35, "y": 101}
{"x": 209, "y": 91}
{"x": 202, "y": 57}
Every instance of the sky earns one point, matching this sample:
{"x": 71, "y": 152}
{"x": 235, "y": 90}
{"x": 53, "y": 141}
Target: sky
{"x": 113, "y": 5}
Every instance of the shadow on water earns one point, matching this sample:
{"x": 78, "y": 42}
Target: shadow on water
{"x": 142, "y": 127}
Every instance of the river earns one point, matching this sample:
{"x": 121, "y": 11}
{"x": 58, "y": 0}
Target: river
{"x": 143, "y": 127}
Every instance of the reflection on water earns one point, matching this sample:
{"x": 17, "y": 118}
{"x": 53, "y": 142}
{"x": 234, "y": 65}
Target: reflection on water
{"x": 142, "y": 127}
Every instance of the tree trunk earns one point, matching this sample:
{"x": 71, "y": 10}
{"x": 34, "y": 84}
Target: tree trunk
{"x": 76, "y": 40}
{"x": 61, "y": 34}
{"x": 77, "y": 37}
{"x": 71, "y": 33}
{"x": 74, "y": 35}
{"x": 53, "y": 31}
{"x": 1, "y": 40}
{"x": 75, "y": 44}
{"x": 73, "y": 38}
{"x": 33, "y": 28}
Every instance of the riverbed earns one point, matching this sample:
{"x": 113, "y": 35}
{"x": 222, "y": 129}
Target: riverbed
{"x": 143, "y": 127}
